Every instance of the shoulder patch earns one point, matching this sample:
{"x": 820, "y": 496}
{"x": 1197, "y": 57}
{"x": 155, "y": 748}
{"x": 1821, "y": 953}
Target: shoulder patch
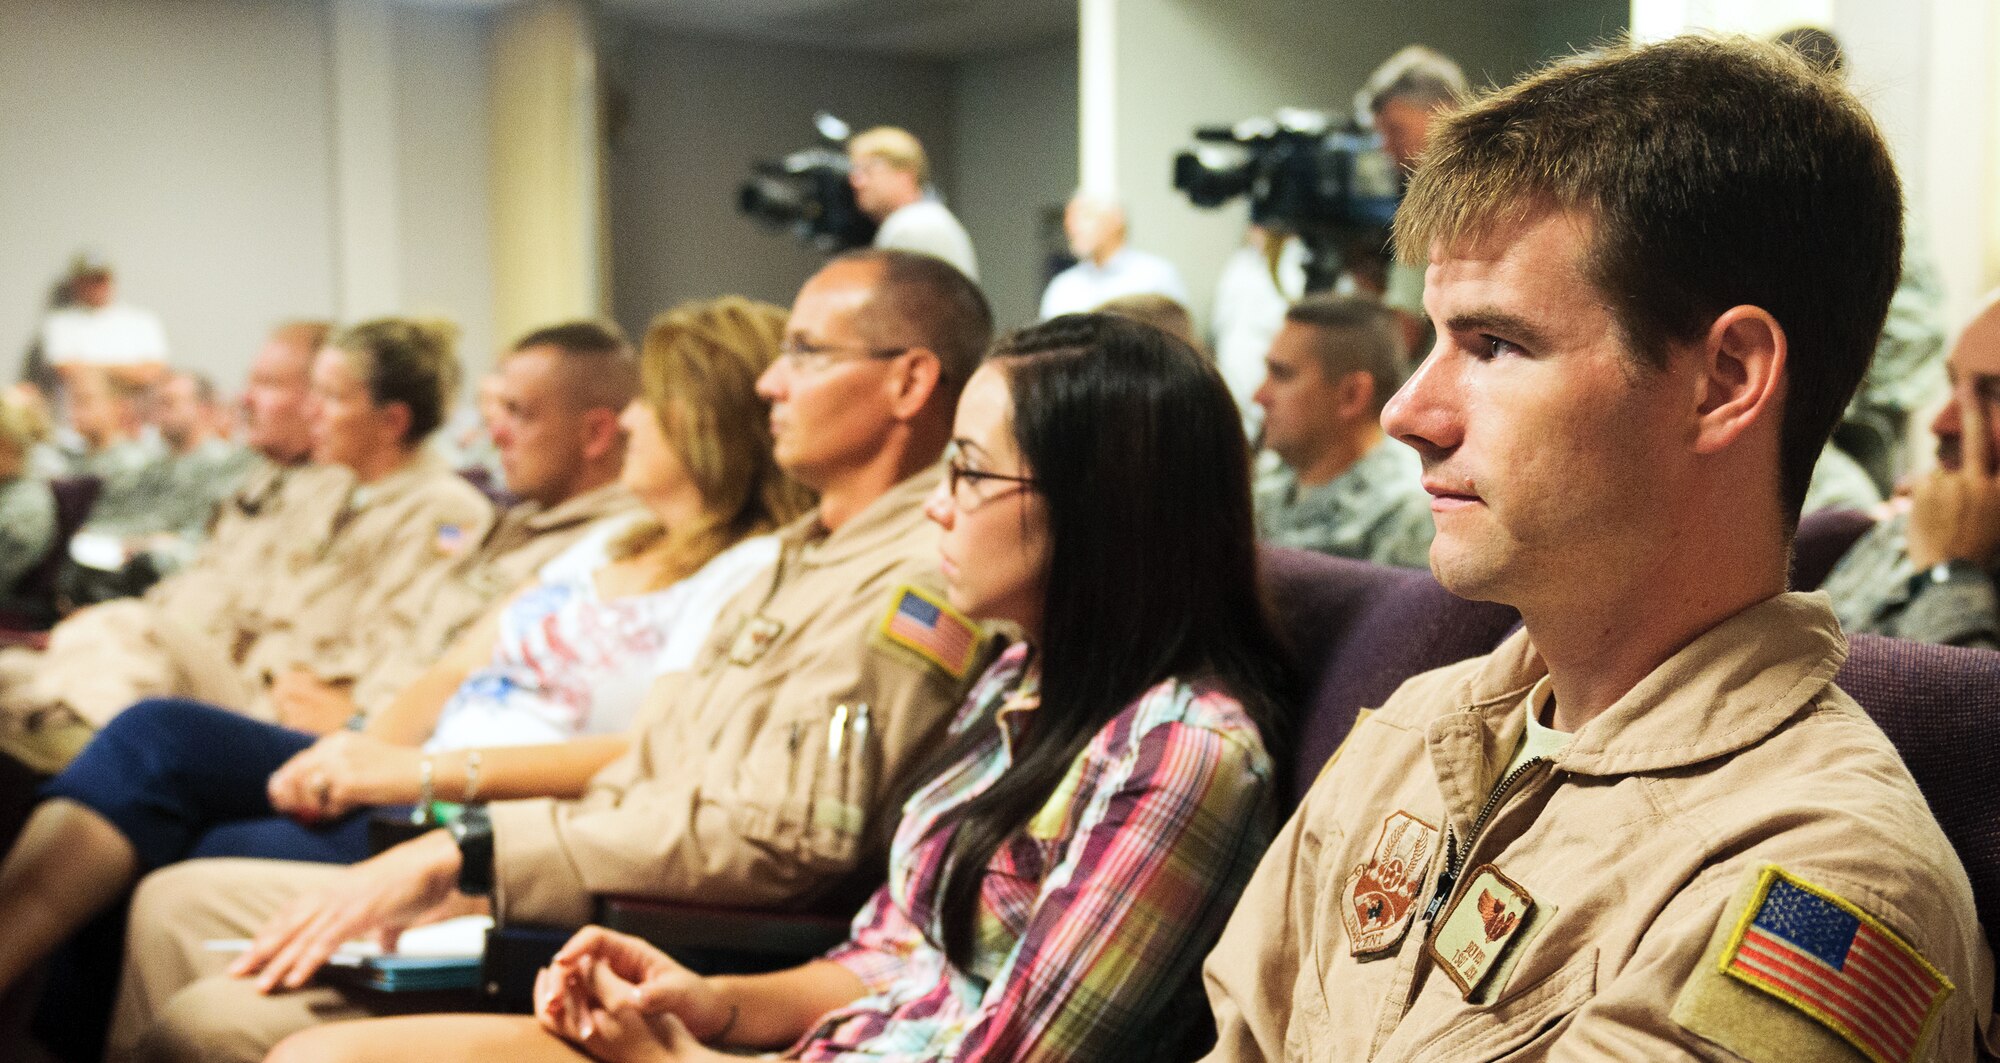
{"x": 1790, "y": 946}
{"x": 923, "y": 624}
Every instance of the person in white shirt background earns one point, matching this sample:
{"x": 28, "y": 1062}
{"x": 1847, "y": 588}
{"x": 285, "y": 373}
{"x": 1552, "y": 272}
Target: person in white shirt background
{"x": 890, "y": 175}
{"x": 1106, "y": 267}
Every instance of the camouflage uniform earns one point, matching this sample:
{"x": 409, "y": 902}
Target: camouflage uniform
{"x": 1375, "y": 511}
{"x": 1875, "y": 588}
{"x": 27, "y": 529}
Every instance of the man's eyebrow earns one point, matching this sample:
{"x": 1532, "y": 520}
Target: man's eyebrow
{"x": 1492, "y": 319}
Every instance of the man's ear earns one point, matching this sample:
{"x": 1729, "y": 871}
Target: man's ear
{"x": 1354, "y": 395}
{"x": 1740, "y": 377}
{"x": 917, "y": 375}
{"x": 601, "y": 435}
{"x": 395, "y": 419}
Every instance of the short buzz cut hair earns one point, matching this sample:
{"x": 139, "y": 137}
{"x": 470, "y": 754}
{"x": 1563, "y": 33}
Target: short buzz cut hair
{"x": 924, "y": 301}
{"x": 1356, "y": 334}
{"x": 896, "y": 146}
{"x": 598, "y": 367}
{"x": 1422, "y": 76}
{"x": 1716, "y": 173}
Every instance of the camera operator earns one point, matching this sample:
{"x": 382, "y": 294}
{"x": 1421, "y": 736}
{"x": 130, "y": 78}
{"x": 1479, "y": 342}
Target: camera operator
{"x": 1405, "y": 94}
{"x": 890, "y": 175}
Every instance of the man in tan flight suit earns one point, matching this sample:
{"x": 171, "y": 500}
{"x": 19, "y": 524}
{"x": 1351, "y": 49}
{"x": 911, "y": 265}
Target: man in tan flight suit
{"x": 559, "y": 392}
{"x": 103, "y": 658}
{"x": 762, "y": 777}
{"x": 1648, "y": 826}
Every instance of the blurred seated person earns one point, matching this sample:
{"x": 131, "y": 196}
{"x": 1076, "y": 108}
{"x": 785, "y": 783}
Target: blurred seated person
{"x": 27, "y": 507}
{"x": 1076, "y": 842}
{"x": 1161, "y": 312}
{"x": 467, "y": 439}
{"x": 554, "y": 403}
{"x": 1927, "y": 571}
{"x": 1340, "y": 486}
{"x": 103, "y": 439}
{"x": 1106, "y": 266}
{"x": 95, "y": 330}
{"x": 890, "y": 174}
{"x": 150, "y": 525}
{"x": 731, "y": 792}
{"x": 392, "y": 516}
{"x": 529, "y": 703}
{"x": 104, "y": 657}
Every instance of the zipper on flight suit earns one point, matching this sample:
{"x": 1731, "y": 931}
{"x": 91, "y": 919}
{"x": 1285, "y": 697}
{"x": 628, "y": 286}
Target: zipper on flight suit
{"x": 1454, "y": 862}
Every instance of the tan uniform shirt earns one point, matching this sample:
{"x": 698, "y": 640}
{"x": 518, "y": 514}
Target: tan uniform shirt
{"x": 425, "y": 620}
{"x": 757, "y": 774}
{"x": 104, "y": 658}
{"x": 330, "y": 605}
{"x": 1638, "y": 845}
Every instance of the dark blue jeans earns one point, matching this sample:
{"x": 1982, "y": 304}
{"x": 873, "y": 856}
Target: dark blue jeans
{"x": 181, "y": 779}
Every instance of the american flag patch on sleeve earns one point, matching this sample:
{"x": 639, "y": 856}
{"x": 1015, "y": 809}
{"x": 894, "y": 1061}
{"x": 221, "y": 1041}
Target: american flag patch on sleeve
{"x": 933, "y": 630}
{"x": 1840, "y": 965}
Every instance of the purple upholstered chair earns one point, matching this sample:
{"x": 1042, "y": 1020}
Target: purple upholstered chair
{"x": 1823, "y": 539}
{"x": 1940, "y": 705}
{"x": 1359, "y": 630}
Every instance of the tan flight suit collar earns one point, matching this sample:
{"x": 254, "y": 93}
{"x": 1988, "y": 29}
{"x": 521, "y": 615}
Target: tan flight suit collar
{"x": 1729, "y": 688}
{"x": 808, "y": 543}
{"x": 412, "y": 474}
{"x": 596, "y": 503}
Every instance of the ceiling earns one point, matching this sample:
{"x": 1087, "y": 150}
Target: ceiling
{"x": 936, "y": 28}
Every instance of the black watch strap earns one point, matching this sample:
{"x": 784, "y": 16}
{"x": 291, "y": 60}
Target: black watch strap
{"x": 474, "y": 833}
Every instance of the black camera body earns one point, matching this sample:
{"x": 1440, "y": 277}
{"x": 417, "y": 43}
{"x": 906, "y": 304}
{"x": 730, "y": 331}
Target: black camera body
{"x": 806, "y": 193}
{"x": 1326, "y": 180}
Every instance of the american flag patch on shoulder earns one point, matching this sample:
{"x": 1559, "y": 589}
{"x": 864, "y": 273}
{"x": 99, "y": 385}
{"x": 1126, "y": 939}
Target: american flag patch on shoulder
{"x": 1826, "y": 957}
{"x": 932, "y": 630}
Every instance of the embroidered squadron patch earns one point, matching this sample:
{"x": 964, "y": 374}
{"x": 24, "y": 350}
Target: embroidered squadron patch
{"x": 1477, "y": 929}
{"x": 753, "y": 639}
{"x": 932, "y": 630}
{"x": 1826, "y": 957}
{"x": 1381, "y": 895}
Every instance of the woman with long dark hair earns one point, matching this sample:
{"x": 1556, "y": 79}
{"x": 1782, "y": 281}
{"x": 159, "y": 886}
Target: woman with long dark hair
{"x": 1105, "y": 792}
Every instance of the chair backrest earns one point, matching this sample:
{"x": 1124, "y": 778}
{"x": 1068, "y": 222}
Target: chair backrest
{"x": 34, "y": 604}
{"x": 1359, "y": 631}
{"x": 1940, "y": 706}
{"x": 1823, "y": 539}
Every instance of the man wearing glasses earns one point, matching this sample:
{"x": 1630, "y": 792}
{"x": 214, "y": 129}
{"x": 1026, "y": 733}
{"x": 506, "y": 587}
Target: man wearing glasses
{"x": 1927, "y": 571}
{"x": 756, "y": 779}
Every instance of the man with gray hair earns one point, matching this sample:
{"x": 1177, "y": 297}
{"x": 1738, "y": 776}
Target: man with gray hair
{"x": 1106, "y": 268}
{"x": 1341, "y": 488}
{"x": 1405, "y": 95}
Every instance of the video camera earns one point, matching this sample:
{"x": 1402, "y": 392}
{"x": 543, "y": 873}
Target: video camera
{"x": 1325, "y": 179}
{"x": 807, "y": 193}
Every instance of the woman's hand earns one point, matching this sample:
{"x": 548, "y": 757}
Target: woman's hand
{"x": 620, "y": 998}
{"x": 342, "y": 772}
{"x": 404, "y": 886}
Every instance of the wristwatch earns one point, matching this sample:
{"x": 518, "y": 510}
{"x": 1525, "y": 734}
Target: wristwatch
{"x": 473, "y": 832}
{"x": 1944, "y": 572}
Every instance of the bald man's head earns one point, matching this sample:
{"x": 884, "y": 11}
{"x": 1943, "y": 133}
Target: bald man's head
{"x": 1974, "y": 366}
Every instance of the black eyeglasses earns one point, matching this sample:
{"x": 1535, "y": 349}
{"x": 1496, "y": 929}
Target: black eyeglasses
{"x": 805, "y": 357}
{"x": 963, "y": 482}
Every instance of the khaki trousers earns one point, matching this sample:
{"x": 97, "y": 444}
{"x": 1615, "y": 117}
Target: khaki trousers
{"x": 175, "y": 1004}
{"x": 104, "y": 658}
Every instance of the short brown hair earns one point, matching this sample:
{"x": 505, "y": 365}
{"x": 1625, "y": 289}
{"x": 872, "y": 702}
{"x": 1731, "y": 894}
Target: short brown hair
{"x": 406, "y": 360}
{"x": 597, "y": 364}
{"x": 926, "y": 302}
{"x": 1719, "y": 173}
{"x": 1356, "y": 334}
{"x": 1163, "y": 312}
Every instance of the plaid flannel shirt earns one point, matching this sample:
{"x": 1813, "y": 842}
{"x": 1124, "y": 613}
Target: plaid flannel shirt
{"x": 1092, "y": 921}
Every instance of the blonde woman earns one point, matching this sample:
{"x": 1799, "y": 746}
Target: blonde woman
{"x": 531, "y": 702}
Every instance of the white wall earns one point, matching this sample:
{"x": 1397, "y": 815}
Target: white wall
{"x": 193, "y": 143}
{"x": 1014, "y": 142}
{"x": 189, "y": 142}
{"x": 698, "y": 111}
